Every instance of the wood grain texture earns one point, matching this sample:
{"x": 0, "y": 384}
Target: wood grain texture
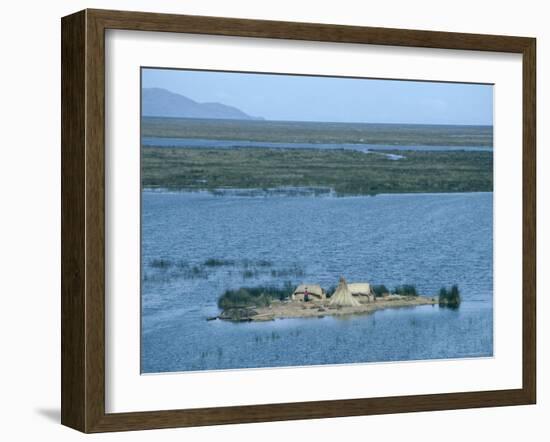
{"x": 73, "y": 258}
{"x": 529, "y": 221}
{"x": 83, "y": 220}
{"x": 144, "y": 21}
{"x": 95, "y": 221}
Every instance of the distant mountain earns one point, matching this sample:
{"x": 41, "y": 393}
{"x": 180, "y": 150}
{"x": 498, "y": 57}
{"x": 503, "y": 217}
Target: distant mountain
{"x": 158, "y": 102}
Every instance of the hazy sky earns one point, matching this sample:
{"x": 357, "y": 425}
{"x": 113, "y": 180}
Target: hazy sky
{"x": 288, "y": 97}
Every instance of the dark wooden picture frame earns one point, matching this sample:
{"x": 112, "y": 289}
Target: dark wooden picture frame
{"x": 83, "y": 220}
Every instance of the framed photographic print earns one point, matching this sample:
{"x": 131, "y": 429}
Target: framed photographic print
{"x": 270, "y": 220}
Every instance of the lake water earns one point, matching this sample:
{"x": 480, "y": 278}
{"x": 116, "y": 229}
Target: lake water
{"x": 229, "y": 144}
{"x": 430, "y": 240}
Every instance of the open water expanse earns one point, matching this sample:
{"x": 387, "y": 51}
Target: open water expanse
{"x": 195, "y": 245}
{"x": 362, "y": 147}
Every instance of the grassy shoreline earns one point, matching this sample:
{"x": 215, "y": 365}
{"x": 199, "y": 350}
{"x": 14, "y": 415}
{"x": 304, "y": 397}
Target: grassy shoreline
{"x": 347, "y": 172}
{"x": 266, "y": 303}
{"x": 281, "y": 309}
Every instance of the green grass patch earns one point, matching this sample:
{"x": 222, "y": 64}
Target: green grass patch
{"x": 316, "y": 132}
{"x": 347, "y": 172}
{"x": 259, "y": 296}
{"x": 379, "y": 290}
{"x": 450, "y": 297}
{"x": 214, "y": 262}
{"x": 406, "y": 290}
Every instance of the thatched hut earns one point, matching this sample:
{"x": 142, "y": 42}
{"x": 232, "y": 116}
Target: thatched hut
{"x": 342, "y": 297}
{"x": 314, "y": 290}
{"x": 362, "y": 291}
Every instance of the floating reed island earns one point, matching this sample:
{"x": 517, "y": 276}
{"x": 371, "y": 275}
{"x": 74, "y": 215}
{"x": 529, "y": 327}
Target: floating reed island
{"x": 311, "y": 300}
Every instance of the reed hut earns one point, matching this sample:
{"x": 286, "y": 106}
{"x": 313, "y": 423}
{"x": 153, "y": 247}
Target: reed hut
{"x": 342, "y": 297}
{"x": 314, "y": 290}
{"x": 362, "y": 291}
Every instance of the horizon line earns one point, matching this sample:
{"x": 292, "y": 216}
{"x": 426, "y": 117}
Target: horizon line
{"x": 264, "y": 120}
{"x": 261, "y": 118}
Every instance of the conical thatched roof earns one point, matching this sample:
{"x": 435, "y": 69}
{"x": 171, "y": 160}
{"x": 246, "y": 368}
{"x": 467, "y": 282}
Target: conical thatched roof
{"x": 342, "y": 297}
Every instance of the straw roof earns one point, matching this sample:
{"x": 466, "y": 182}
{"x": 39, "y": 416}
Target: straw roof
{"x": 342, "y": 297}
{"x": 312, "y": 289}
{"x": 360, "y": 288}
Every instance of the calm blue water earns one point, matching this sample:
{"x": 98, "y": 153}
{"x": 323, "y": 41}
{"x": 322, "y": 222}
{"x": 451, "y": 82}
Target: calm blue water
{"x": 429, "y": 240}
{"x": 195, "y": 142}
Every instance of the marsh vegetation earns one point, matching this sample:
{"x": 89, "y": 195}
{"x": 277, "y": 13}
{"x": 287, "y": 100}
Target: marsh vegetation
{"x": 259, "y": 296}
{"x": 347, "y": 172}
{"x": 380, "y": 290}
{"x": 262, "y": 296}
{"x": 449, "y": 297}
{"x": 166, "y": 269}
{"x": 313, "y": 132}
{"x": 405, "y": 290}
